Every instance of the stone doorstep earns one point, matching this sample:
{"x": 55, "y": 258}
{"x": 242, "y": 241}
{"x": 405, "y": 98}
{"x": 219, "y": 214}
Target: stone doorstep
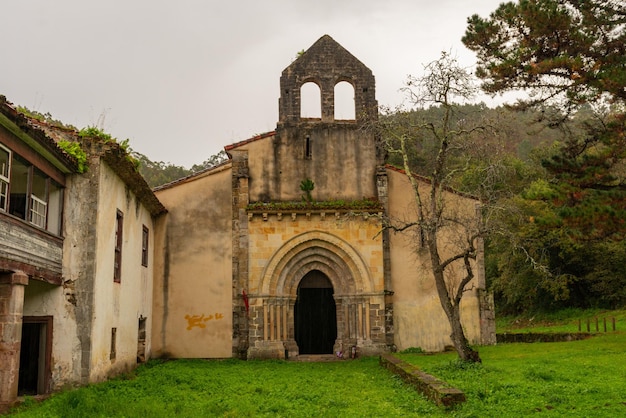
{"x": 435, "y": 389}
{"x": 316, "y": 358}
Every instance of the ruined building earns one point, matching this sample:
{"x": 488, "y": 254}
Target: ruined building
{"x": 276, "y": 253}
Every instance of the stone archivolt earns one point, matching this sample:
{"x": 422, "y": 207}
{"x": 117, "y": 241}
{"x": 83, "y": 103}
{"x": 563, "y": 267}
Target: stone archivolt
{"x": 316, "y": 250}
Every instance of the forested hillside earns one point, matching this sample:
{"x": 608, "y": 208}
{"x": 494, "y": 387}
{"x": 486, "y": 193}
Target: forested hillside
{"x": 158, "y": 173}
{"x": 535, "y": 261}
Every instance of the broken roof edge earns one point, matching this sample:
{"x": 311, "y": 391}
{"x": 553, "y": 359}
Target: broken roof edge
{"x": 35, "y": 136}
{"x": 117, "y": 158}
{"x": 113, "y": 154}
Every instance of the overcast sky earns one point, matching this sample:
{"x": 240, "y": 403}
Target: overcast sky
{"x": 184, "y": 78}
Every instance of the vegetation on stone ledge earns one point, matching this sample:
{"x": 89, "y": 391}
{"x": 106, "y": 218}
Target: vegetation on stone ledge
{"x": 95, "y": 132}
{"x": 356, "y": 205}
{"x": 42, "y": 117}
{"x": 74, "y": 149}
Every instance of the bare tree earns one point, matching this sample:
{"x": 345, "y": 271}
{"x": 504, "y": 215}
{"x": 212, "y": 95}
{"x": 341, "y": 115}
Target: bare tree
{"x": 446, "y": 86}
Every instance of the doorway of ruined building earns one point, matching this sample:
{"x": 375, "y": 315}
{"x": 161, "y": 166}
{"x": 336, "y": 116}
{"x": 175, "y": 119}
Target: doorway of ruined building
{"x": 315, "y": 314}
{"x": 35, "y": 355}
{"x": 141, "y": 340}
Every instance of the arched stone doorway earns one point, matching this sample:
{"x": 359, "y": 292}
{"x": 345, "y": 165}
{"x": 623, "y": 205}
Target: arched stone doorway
{"x": 337, "y": 278}
{"x": 315, "y": 314}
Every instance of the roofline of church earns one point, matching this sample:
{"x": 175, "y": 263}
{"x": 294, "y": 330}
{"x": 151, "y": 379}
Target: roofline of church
{"x": 429, "y": 181}
{"x": 224, "y": 165}
{"x": 247, "y": 141}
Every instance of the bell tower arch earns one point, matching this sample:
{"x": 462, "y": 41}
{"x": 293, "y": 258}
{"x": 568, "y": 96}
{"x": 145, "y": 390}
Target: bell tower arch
{"x": 327, "y": 64}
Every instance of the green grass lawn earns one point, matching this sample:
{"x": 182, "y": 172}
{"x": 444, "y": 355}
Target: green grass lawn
{"x": 581, "y": 379}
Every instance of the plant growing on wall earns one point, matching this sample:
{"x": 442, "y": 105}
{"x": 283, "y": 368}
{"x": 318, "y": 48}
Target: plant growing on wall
{"x": 307, "y": 187}
{"x": 74, "y": 149}
{"x": 42, "y": 117}
{"x": 365, "y": 205}
{"x": 95, "y": 132}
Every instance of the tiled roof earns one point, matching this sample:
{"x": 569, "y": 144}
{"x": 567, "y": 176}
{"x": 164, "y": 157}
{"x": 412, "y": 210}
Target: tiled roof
{"x": 247, "y": 141}
{"x": 31, "y": 130}
{"x": 49, "y": 134}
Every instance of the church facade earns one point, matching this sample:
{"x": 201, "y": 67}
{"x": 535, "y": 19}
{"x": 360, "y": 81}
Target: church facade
{"x": 281, "y": 251}
{"x": 278, "y": 252}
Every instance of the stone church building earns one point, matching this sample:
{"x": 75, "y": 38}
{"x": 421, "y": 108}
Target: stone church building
{"x": 254, "y": 267}
{"x": 276, "y": 253}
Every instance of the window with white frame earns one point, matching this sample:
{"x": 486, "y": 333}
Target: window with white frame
{"x": 5, "y": 170}
{"x": 38, "y": 198}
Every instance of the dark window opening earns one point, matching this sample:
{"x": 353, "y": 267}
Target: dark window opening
{"x": 113, "y": 343}
{"x": 18, "y": 198}
{"x": 141, "y": 340}
{"x": 119, "y": 229}
{"x": 144, "y": 246}
{"x": 307, "y": 148}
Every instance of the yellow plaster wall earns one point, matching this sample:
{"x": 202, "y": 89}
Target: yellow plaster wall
{"x": 419, "y": 319}
{"x": 120, "y": 305}
{"x": 193, "y": 284}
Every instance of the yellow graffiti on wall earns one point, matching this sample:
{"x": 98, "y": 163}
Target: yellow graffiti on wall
{"x": 199, "y": 320}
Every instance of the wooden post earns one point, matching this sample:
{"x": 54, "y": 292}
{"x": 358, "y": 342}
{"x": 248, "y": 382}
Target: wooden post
{"x": 597, "y": 328}
{"x": 588, "y": 327}
{"x": 604, "y": 323}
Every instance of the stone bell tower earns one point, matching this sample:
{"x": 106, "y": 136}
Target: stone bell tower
{"x": 314, "y": 269}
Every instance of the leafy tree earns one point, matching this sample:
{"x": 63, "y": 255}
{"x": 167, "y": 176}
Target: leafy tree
{"x": 570, "y": 55}
{"x": 212, "y": 161}
{"x": 574, "y": 48}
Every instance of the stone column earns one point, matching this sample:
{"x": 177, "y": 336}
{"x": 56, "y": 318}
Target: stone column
{"x": 240, "y": 200}
{"x": 11, "y": 311}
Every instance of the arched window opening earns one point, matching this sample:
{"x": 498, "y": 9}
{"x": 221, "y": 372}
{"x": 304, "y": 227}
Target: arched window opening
{"x": 344, "y": 101}
{"x": 310, "y": 101}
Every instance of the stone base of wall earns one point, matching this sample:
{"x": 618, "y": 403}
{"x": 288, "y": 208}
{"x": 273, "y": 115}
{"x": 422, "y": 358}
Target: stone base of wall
{"x": 266, "y": 350}
{"x": 436, "y": 390}
{"x": 535, "y": 337}
{"x": 368, "y": 349}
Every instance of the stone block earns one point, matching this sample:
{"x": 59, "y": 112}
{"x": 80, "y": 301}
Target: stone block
{"x": 433, "y": 388}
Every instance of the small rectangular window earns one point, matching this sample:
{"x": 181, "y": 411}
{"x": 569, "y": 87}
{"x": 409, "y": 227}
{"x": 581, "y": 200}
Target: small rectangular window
{"x": 119, "y": 229}
{"x": 38, "y": 198}
{"x": 113, "y": 344}
{"x": 18, "y": 197}
{"x": 144, "y": 246}
{"x": 307, "y": 148}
